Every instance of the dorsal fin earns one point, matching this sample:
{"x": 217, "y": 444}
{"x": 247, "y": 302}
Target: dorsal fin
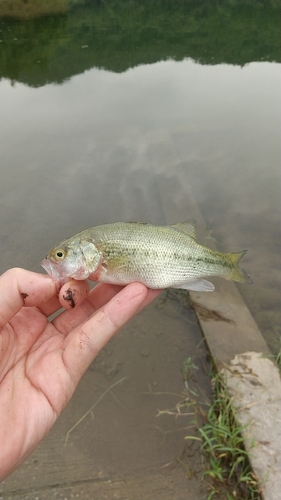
{"x": 188, "y": 227}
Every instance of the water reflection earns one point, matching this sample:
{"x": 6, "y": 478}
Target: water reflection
{"x": 120, "y": 35}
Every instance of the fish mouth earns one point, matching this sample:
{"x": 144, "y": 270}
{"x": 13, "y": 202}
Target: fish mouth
{"x": 54, "y": 272}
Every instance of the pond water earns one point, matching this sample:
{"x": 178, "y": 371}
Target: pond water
{"x": 87, "y": 129}
{"x": 107, "y": 106}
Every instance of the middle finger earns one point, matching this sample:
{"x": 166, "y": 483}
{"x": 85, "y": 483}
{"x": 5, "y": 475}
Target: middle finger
{"x": 70, "y": 295}
{"x": 97, "y": 297}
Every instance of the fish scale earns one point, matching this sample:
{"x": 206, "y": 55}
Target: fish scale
{"x": 158, "y": 256}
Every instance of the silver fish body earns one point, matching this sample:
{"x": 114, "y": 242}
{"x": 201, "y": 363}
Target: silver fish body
{"x": 158, "y": 256}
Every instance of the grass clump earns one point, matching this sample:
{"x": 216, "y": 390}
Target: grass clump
{"x": 225, "y": 461}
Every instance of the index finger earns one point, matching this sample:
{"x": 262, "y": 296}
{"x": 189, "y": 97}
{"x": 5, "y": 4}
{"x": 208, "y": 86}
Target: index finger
{"x": 19, "y": 287}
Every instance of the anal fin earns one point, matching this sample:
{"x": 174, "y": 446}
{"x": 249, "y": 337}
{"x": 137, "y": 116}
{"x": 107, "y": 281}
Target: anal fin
{"x": 197, "y": 286}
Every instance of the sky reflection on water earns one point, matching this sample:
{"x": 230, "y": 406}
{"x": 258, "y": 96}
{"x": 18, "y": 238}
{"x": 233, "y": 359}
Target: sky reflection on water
{"x": 79, "y": 154}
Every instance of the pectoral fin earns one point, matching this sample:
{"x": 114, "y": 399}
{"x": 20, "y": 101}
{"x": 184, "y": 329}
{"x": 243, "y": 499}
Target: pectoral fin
{"x": 198, "y": 286}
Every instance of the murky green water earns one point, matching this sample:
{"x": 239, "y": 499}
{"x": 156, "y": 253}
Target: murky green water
{"x": 107, "y": 106}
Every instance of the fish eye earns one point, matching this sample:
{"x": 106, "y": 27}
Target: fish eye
{"x": 60, "y": 254}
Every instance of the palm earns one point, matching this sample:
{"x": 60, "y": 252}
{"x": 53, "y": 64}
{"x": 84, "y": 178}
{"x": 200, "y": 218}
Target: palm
{"x": 42, "y": 362}
{"x": 34, "y": 375}
{"x": 36, "y": 382}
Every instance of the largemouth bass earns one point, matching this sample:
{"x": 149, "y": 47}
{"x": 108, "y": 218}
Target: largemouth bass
{"x": 157, "y": 256}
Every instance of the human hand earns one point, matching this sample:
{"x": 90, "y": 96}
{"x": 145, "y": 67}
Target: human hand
{"x": 41, "y": 362}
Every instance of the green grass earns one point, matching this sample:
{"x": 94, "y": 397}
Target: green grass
{"x": 225, "y": 463}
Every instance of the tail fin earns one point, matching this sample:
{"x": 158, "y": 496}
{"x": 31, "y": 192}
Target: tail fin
{"x": 238, "y": 274}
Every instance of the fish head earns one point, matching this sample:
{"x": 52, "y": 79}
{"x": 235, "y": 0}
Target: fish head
{"x": 72, "y": 259}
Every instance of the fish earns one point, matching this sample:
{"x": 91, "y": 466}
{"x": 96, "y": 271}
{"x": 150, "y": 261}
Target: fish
{"x": 158, "y": 256}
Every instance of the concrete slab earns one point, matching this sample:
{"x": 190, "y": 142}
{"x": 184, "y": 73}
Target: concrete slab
{"x": 158, "y": 486}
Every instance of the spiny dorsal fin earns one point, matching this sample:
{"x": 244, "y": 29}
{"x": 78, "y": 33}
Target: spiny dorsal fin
{"x": 188, "y": 227}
